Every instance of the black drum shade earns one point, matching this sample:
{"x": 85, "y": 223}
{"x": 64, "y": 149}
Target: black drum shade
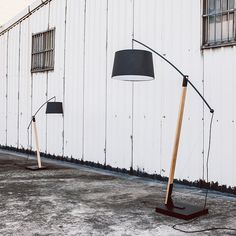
{"x": 54, "y": 108}
{"x": 133, "y": 65}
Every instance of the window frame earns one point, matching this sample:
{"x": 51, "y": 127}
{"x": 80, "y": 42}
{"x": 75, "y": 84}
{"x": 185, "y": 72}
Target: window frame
{"x": 43, "y": 51}
{"x": 205, "y": 26}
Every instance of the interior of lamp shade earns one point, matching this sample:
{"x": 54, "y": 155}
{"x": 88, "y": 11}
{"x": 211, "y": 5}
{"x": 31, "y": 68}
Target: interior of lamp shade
{"x": 134, "y": 78}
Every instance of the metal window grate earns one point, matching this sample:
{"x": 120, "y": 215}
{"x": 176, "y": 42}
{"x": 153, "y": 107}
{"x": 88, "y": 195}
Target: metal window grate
{"x": 219, "y": 22}
{"x": 43, "y": 45}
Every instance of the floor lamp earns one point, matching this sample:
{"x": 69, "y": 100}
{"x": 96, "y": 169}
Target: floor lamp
{"x": 137, "y": 65}
{"x": 52, "y": 108}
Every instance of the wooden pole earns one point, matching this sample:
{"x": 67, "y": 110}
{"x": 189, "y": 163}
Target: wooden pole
{"x": 168, "y": 200}
{"x": 36, "y": 142}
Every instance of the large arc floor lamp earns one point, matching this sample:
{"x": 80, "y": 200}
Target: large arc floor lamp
{"x": 137, "y": 65}
{"x": 51, "y": 108}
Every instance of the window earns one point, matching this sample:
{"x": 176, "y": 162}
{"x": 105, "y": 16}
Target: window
{"x": 43, "y": 51}
{"x": 218, "y": 22}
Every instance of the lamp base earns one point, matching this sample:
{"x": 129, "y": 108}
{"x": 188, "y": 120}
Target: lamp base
{"x": 184, "y": 211}
{"x": 34, "y": 168}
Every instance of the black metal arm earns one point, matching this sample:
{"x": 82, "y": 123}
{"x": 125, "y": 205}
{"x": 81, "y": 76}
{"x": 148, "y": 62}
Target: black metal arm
{"x": 185, "y": 77}
{"x": 33, "y": 117}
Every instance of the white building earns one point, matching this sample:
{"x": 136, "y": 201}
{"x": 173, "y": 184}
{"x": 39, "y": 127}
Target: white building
{"x": 114, "y": 122}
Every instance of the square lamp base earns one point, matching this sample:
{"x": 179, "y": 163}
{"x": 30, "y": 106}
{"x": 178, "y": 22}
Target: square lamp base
{"x": 182, "y": 211}
{"x": 34, "y": 168}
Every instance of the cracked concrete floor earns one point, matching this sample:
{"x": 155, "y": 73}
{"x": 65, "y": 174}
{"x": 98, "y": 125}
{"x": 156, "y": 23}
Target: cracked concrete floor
{"x": 67, "y": 199}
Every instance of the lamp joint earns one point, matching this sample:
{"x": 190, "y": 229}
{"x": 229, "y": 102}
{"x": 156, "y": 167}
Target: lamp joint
{"x": 185, "y": 81}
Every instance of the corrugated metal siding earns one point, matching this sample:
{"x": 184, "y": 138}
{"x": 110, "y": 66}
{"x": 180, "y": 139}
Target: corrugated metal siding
{"x": 220, "y": 88}
{"x": 73, "y": 104}
{"x": 3, "y": 80}
{"x": 38, "y": 23}
{"x": 95, "y": 81}
{"x": 24, "y": 84}
{"x": 102, "y": 114}
{"x": 156, "y": 102}
{"x": 119, "y": 94}
{"x": 191, "y": 152}
{"x": 148, "y": 123}
{"x": 55, "y": 79}
{"x": 12, "y": 85}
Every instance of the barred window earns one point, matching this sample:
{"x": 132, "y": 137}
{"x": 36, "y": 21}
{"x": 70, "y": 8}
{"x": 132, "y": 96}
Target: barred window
{"x": 218, "y": 22}
{"x": 43, "y": 45}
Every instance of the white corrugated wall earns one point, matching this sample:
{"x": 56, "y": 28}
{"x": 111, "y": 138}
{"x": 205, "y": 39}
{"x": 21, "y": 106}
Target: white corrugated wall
{"x": 39, "y": 22}
{"x": 55, "y": 79}
{"x": 95, "y": 81}
{"x": 220, "y": 87}
{"x": 3, "y": 86}
{"x": 114, "y": 122}
{"x": 119, "y": 94}
{"x": 12, "y": 86}
{"x": 24, "y": 84}
{"x": 74, "y": 69}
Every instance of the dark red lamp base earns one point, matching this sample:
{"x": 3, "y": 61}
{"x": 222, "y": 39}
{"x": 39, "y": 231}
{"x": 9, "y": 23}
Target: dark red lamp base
{"x": 185, "y": 212}
{"x": 34, "y": 168}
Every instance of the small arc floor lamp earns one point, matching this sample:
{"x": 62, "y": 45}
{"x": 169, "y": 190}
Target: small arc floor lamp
{"x": 137, "y": 65}
{"x": 52, "y": 108}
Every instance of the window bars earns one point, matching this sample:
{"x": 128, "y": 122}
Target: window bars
{"x": 43, "y": 45}
{"x": 218, "y": 22}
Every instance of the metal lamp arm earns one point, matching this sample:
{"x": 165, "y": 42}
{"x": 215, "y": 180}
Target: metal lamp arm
{"x": 54, "y": 97}
{"x": 160, "y": 56}
{"x": 181, "y": 73}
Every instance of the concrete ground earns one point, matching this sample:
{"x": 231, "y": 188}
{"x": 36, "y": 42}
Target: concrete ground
{"x": 68, "y": 199}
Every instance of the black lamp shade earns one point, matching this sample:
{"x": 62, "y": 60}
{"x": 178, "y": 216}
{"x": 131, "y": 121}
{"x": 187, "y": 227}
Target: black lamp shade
{"x": 54, "y": 108}
{"x": 133, "y": 65}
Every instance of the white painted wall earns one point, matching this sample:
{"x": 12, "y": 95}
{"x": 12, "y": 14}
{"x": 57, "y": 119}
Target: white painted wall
{"x": 95, "y": 81}
{"x": 119, "y": 94}
{"x": 24, "y": 84}
{"x": 12, "y": 86}
{"x": 39, "y": 22}
{"x": 74, "y": 85}
{"x": 102, "y": 115}
{"x": 3, "y": 90}
{"x": 220, "y": 87}
{"x": 55, "y": 79}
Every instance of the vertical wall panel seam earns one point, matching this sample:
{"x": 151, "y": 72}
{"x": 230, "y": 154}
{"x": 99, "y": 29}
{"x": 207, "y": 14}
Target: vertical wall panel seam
{"x": 84, "y": 45}
{"x": 46, "y": 124}
{"x": 203, "y": 93}
{"x": 106, "y": 85}
{"x": 32, "y": 95}
{"x": 18, "y": 95}
{"x": 28, "y": 81}
{"x": 7, "y": 84}
{"x": 31, "y": 84}
{"x": 64, "y": 81}
{"x": 203, "y": 120}
{"x": 161, "y": 131}
{"x": 132, "y": 128}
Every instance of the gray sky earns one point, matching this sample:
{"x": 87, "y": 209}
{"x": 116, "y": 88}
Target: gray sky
{"x": 10, "y": 8}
